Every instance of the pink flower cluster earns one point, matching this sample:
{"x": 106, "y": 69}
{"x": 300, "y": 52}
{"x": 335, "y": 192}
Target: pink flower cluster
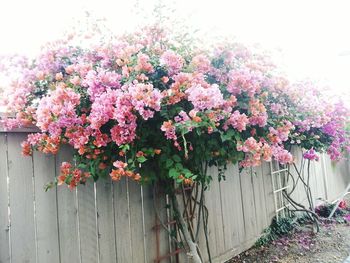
{"x": 57, "y": 111}
{"x": 172, "y": 61}
{"x": 311, "y": 155}
{"x": 238, "y": 121}
{"x": 255, "y": 152}
{"x": 205, "y": 98}
{"x": 147, "y": 88}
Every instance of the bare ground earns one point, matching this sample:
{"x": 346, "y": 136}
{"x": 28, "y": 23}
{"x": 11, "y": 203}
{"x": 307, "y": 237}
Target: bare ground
{"x": 330, "y": 245}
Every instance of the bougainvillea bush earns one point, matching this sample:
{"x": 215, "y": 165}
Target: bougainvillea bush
{"x": 150, "y": 108}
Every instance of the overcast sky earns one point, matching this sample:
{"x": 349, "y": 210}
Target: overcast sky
{"x": 308, "y": 38}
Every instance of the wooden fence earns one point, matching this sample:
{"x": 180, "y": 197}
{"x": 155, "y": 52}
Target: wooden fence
{"x": 116, "y": 222}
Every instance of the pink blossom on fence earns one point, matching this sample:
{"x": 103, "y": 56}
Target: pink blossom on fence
{"x": 311, "y": 155}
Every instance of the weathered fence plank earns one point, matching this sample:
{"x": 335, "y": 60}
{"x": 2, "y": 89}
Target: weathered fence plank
{"x": 217, "y": 212}
{"x": 268, "y": 196}
{"x": 67, "y": 216}
{"x": 45, "y": 209}
{"x": 210, "y": 204}
{"x": 260, "y": 205}
{"x": 136, "y": 222}
{"x": 122, "y": 220}
{"x": 150, "y": 216}
{"x": 248, "y": 204}
{"x": 106, "y": 221}
{"x": 87, "y": 223}
{"x": 231, "y": 208}
{"x": 4, "y": 216}
{"x": 21, "y": 202}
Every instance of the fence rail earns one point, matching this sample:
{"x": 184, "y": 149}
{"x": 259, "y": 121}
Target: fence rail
{"x": 115, "y": 222}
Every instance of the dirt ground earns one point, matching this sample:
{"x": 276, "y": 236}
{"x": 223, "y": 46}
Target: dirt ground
{"x": 330, "y": 245}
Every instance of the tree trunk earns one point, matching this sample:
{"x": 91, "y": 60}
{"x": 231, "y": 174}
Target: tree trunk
{"x": 193, "y": 253}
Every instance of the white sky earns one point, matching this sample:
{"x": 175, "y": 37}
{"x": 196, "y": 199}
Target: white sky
{"x": 309, "y": 38}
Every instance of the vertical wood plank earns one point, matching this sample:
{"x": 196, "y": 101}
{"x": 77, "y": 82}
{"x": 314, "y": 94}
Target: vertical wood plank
{"x": 232, "y": 208}
{"x": 248, "y": 204}
{"x": 260, "y": 205}
{"x": 67, "y": 215}
{"x": 215, "y": 224}
{"x": 21, "y": 202}
{"x": 268, "y": 189}
{"x": 4, "y": 216}
{"x": 163, "y": 236}
{"x": 106, "y": 224}
{"x": 209, "y": 203}
{"x": 150, "y": 233}
{"x": 122, "y": 217}
{"x": 136, "y": 221}
{"x": 320, "y": 182}
{"x": 46, "y": 209}
{"x": 87, "y": 223}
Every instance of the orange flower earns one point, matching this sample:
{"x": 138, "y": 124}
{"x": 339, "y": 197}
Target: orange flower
{"x": 137, "y": 177}
{"x": 167, "y": 124}
{"x": 196, "y": 119}
{"x": 69, "y": 69}
{"x": 59, "y": 76}
{"x": 81, "y": 150}
{"x": 211, "y": 115}
{"x": 140, "y": 153}
{"x": 129, "y": 174}
{"x": 116, "y": 174}
{"x": 61, "y": 179}
{"x": 157, "y": 151}
{"x": 26, "y": 149}
{"x": 188, "y": 181}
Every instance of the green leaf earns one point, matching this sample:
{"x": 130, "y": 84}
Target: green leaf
{"x": 173, "y": 173}
{"x": 141, "y": 159}
{"x": 227, "y": 136}
{"x": 179, "y": 166}
{"x": 169, "y": 163}
{"x": 176, "y": 158}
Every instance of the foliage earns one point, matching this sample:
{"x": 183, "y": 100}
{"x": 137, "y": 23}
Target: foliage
{"x": 278, "y": 228}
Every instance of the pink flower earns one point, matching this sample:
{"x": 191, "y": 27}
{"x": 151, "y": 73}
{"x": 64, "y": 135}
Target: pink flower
{"x": 238, "y": 121}
{"x": 143, "y": 63}
{"x": 311, "y": 155}
{"x": 172, "y": 61}
{"x": 201, "y": 63}
{"x": 120, "y": 164}
{"x": 281, "y": 155}
{"x": 205, "y": 98}
{"x": 169, "y": 130}
{"x": 75, "y": 80}
{"x": 145, "y": 99}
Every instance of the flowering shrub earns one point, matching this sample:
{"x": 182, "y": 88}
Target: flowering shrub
{"x": 149, "y": 108}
